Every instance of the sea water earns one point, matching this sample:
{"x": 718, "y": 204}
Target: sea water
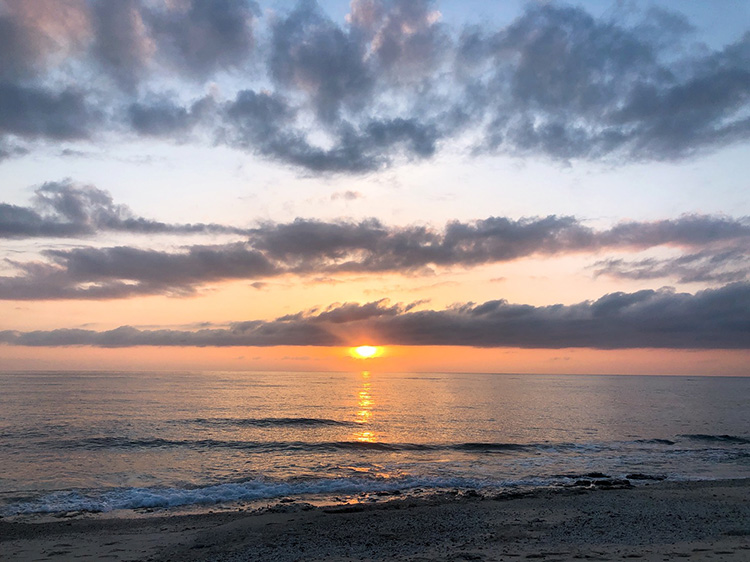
{"x": 107, "y": 440}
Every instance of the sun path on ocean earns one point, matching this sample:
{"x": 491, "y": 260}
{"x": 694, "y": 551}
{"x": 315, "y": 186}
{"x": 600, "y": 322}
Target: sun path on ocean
{"x": 365, "y": 351}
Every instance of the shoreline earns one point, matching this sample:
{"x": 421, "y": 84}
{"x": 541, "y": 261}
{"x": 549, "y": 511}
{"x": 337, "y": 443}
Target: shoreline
{"x": 698, "y": 520}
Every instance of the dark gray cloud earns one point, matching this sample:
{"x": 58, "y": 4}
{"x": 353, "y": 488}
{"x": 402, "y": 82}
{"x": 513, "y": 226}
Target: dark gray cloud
{"x": 43, "y": 281}
{"x": 404, "y": 36}
{"x": 687, "y": 230}
{"x": 710, "y": 319}
{"x": 197, "y": 265}
{"x": 162, "y": 117}
{"x": 312, "y": 54}
{"x": 725, "y": 266}
{"x": 122, "y": 44}
{"x": 38, "y": 112}
{"x": 311, "y": 247}
{"x": 333, "y": 69}
{"x": 259, "y": 334}
{"x": 196, "y": 38}
{"x": 10, "y": 150}
{"x": 34, "y": 33}
{"x": 123, "y": 272}
{"x": 371, "y": 246}
{"x": 133, "y": 42}
{"x": 65, "y": 209}
{"x": 565, "y": 84}
{"x": 266, "y": 124}
{"x": 556, "y": 82}
{"x": 21, "y": 52}
{"x": 201, "y": 37}
{"x": 391, "y": 83}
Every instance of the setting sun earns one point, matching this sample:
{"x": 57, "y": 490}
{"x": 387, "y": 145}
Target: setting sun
{"x": 365, "y": 351}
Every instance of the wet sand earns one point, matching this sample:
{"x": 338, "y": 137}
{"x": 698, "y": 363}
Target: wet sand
{"x": 653, "y": 521}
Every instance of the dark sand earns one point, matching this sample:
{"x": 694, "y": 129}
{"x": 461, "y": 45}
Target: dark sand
{"x": 654, "y": 521}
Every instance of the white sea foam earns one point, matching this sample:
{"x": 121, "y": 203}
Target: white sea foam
{"x": 134, "y": 498}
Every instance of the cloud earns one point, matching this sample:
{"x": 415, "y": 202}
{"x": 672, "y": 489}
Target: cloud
{"x": 201, "y": 37}
{"x": 567, "y": 85}
{"x": 66, "y": 209}
{"x": 556, "y": 82}
{"x": 198, "y": 264}
{"x": 34, "y": 112}
{"x": 371, "y": 246}
{"x": 392, "y": 83}
{"x": 33, "y": 35}
{"x": 266, "y": 124}
{"x": 710, "y": 319}
{"x": 404, "y": 36}
{"x": 687, "y": 230}
{"x": 194, "y": 38}
{"x": 44, "y": 281}
{"x": 121, "y": 272}
{"x": 312, "y": 54}
{"x": 161, "y": 117}
{"x": 10, "y": 150}
{"x": 703, "y": 267}
{"x": 319, "y": 248}
{"x": 122, "y": 45}
{"x": 348, "y": 195}
{"x": 353, "y": 312}
{"x": 257, "y": 334}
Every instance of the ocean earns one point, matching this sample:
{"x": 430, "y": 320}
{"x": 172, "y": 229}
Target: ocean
{"x": 102, "y": 441}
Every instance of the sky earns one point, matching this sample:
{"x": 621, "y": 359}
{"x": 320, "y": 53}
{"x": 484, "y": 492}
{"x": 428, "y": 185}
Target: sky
{"x": 477, "y": 186}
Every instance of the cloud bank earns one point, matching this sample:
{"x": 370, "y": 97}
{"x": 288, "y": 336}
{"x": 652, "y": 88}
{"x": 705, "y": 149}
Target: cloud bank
{"x": 392, "y": 82}
{"x": 65, "y": 209}
{"x": 715, "y": 248}
{"x": 709, "y": 319}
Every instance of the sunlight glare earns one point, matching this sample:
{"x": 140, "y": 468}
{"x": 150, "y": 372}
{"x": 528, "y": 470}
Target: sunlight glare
{"x": 365, "y": 351}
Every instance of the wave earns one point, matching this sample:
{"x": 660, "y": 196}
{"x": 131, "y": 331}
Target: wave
{"x": 717, "y": 438}
{"x": 135, "y": 498}
{"x": 479, "y": 448}
{"x": 272, "y": 422}
{"x": 95, "y": 443}
{"x": 655, "y": 441}
{"x": 501, "y": 448}
{"x": 98, "y": 443}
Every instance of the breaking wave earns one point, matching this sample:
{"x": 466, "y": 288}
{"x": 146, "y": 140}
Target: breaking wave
{"x": 717, "y": 438}
{"x": 135, "y": 498}
{"x": 96, "y": 443}
{"x": 271, "y": 422}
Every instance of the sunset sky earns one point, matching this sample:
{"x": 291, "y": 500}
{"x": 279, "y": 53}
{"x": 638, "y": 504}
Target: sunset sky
{"x": 479, "y": 185}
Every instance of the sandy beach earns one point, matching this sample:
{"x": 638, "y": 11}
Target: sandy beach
{"x": 652, "y": 521}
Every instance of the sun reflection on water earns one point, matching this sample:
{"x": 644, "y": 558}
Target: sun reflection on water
{"x": 363, "y": 416}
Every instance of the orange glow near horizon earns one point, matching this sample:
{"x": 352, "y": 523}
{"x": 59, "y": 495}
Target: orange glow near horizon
{"x": 415, "y": 359}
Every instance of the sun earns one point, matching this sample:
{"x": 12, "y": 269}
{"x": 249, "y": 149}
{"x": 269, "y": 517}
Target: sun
{"x": 365, "y": 351}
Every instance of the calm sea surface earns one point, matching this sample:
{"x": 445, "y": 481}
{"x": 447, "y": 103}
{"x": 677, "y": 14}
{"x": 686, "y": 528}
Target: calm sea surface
{"x": 102, "y": 441}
